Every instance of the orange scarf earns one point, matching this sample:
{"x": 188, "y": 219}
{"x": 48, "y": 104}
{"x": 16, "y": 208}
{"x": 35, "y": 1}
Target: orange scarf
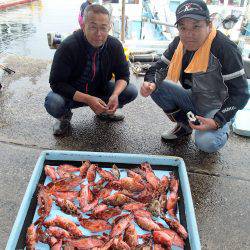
{"x": 199, "y": 62}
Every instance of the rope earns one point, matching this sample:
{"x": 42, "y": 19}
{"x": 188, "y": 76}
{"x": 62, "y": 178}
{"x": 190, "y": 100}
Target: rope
{"x": 140, "y": 69}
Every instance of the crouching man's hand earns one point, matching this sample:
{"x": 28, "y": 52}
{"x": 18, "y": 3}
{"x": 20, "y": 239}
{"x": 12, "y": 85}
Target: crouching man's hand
{"x": 205, "y": 124}
{"x": 147, "y": 88}
{"x": 112, "y": 104}
{"x": 96, "y": 104}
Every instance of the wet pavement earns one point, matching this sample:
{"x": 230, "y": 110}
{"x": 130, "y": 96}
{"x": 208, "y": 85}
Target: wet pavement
{"x": 220, "y": 182}
{"x": 23, "y": 29}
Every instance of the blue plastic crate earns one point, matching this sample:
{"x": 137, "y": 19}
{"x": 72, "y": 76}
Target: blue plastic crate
{"x": 160, "y": 163}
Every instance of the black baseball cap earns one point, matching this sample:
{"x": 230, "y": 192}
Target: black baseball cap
{"x": 195, "y": 9}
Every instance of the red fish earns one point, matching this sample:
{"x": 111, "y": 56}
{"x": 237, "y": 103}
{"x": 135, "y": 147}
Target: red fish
{"x": 44, "y": 201}
{"x": 174, "y": 183}
{"x": 106, "y": 246}
{"x": 63, "y": 174}
{"x": 145, "y": 196}
{"x": 117, "y": 199}
{"x": 107, "y": 213}
{"x": 95, "y": 225}
{"x": 57, "y": 246}
{"x": 128, "y": 193}
{"x": 131, "y": 236}
{"x": 85, "y": 196}
{"x": 70, "y": 195}
{"x": 67, "y": 206}
{"x": 64, "y": 185}
{"x": 98, "y": 186}
{"x": 134, "y": 206}
{"x": 147, "y": 223}
{"x": 177, "y": 240}
{"x": 66, "y": 224}
{"x": 91, "y": 173}
{"x": 164, "y": 184}
{"x": 172, "y": 204}
{"x": 155, "y": 207}
{"x": 44, "y": 237}
{"x": 140, "y": 172}
{"x": 142, "y": 213}
{"x": 31, "y": 237}
{"x": 104, "y": 192}
{"x": 119, "y": 244}
{"x": 160, "y": 247}
{"x": 84, "y": 168}
{"x": 177, "y": 227}
{"x": 58, "y": 232}
{"x": 90, "y": 206}
{"x": 163, "y": 203}
{"x": 120, "y": 225}
{"x": 116, "y": 172}
{"x": 162, "y": 238}
{"x": 67, "y": 246}
{"x": 150, "y": 176}
{"x": 134, "y": 175}
{"x": 106, "y": 174}
{"x": 87, "y": 243}
{"x": 99, "y": 208}
{"x": 68, "y": 168}
{"x": 51, "y": 172}
{"x": 129, "y": 183}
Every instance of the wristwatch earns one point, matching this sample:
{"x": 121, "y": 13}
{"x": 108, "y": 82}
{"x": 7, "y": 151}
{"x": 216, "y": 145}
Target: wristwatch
{"x": 217, "y": 124}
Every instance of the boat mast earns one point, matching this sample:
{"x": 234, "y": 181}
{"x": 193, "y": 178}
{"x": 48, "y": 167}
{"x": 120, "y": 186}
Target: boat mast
{"x": 123, "y": 22}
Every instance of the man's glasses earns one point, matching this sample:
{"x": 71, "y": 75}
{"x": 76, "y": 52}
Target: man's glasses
{"x": 95, "y": 29}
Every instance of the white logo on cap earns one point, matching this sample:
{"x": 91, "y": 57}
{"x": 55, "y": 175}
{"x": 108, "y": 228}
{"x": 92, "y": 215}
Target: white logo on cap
{"x": 189, "y": 7}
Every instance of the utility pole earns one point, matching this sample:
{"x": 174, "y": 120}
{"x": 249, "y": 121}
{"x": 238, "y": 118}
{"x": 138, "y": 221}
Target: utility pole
{"x": 123, "y": 22}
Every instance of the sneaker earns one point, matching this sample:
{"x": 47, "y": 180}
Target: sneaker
{"x": 62, "y": 125}
{"x": 177, "y": 133}
{"x": 117, "y": 116}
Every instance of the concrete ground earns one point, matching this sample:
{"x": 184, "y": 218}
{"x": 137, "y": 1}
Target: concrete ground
{"x": 220, "y": 182}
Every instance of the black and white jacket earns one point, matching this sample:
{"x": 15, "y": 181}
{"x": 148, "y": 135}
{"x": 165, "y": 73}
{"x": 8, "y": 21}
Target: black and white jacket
{"x": 222, "y": 87}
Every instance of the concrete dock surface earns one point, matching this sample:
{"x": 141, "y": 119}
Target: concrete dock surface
{"x": 220, "y": 182}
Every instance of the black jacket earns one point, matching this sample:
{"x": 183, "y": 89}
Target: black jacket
{"x": 70, "y": 60}
{"x": 231, "y": 72}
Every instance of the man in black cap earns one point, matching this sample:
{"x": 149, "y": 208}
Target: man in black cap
{"x": 204, "y": 74}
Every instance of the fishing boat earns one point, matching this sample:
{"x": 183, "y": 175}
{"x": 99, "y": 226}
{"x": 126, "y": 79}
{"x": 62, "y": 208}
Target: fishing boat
{"x": 12, "y": 3}
{"x": 132, "y": 24}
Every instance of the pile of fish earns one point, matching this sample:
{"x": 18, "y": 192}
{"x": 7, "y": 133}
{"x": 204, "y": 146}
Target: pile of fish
{"x": 110, "y": 208}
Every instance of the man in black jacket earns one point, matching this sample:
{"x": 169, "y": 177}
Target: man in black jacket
{"x": 212, "y": 80}
{"x": 82, "y": 69}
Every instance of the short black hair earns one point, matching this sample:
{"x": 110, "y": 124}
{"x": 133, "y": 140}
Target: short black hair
{"x": 96, "y": 9}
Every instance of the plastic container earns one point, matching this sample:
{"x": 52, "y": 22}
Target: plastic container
{"x": 123, "y": 161}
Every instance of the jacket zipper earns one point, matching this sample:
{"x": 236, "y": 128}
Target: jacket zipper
{"x": 86, "y": 88}
{"x": 94, "y": 66}
{"x": 94, "y": 72}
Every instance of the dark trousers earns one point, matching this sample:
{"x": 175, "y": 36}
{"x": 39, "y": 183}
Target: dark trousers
{"x": 57, "y": 105}
{"x": 170, "y": 96}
